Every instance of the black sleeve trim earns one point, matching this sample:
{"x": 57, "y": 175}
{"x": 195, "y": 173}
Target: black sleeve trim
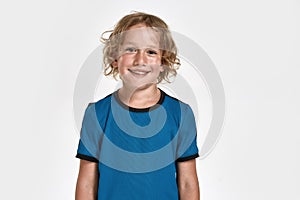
{"x": 187, "y": 158}
{"x": 85, "y": 157}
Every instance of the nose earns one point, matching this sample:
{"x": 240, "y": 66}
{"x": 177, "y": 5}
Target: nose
{"x": 140, "y": 58}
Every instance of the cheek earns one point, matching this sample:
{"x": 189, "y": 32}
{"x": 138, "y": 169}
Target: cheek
{"x": 155, "y": 61}
{"x": 122, "y": 70}
{"x": 125, "y": 60}
{"x": 121, "y": 65}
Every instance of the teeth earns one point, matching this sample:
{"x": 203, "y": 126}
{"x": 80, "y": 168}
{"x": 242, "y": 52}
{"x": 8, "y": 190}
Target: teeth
{"x": 139, "y": 72}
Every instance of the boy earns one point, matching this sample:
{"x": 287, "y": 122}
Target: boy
{"x": 138, "y": 143}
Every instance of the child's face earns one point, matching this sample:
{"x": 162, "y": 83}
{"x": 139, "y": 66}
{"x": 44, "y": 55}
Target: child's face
{"x": 139, "y": 61}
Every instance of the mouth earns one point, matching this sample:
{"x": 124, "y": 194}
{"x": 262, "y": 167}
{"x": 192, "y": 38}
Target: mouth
{"x": 138, "y": 72}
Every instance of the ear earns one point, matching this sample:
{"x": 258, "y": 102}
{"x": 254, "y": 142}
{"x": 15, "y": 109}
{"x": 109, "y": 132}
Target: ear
{"x": 115, "y": 64}
{"x": 162, "y": 68}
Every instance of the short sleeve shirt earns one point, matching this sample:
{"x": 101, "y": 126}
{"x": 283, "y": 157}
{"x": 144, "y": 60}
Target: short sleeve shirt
{"x": 137, "y": 150}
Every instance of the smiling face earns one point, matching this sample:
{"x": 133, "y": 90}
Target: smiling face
{"x": 139, "y": 60}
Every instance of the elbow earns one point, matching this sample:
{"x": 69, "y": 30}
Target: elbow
{"x": 189, "y": 191}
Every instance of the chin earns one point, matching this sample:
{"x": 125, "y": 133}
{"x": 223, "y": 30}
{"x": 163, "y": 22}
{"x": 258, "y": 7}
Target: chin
{"x": 143, "y": 85}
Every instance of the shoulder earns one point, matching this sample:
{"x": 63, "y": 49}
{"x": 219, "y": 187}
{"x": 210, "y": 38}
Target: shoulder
{"x": 99, "y": 105}
{"x": 98, "y": 110}
{"x": 173, "y": 102}
{"x": 101, "y": 102}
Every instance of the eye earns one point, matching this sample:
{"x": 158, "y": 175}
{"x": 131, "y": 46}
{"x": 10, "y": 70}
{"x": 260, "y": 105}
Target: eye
{"x": 152, "y": 52}
{"x": 130, "y": 50}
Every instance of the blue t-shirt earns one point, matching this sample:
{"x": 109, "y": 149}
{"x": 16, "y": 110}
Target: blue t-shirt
{"x": 137, "y": 150}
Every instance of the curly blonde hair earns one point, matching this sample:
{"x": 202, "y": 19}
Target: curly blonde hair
{"x": 169, "y": 61}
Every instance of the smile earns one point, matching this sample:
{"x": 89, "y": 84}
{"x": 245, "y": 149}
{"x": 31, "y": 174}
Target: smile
{"x": 139, "y": 72}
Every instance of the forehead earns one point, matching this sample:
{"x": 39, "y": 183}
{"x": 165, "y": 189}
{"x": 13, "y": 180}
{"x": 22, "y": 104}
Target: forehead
{"x": 141, "y": 35}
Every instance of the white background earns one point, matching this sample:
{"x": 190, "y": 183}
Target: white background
{"x": 254, "y": 44}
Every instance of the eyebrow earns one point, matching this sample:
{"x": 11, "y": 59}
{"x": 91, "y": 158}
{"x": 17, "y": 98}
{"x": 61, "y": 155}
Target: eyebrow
{"x": 135, "y": 44}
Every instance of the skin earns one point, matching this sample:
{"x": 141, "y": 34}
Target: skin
{"x": 87, "y": 181}
{"x": 139, "y": 65}
{"x": 187, "y": 180}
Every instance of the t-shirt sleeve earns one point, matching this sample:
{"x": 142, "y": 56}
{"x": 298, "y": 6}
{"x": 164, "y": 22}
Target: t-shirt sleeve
{"x": 82, "y": 151}
{"x": 187, "y": 143}
{"x": 84, "y": 154}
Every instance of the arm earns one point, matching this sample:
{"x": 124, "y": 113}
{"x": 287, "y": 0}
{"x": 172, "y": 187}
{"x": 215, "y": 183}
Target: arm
{"x": 87, "y": 181}
{"x": 187, "y": 180}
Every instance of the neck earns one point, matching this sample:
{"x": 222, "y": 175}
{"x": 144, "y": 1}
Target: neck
{"x": 140, "y": 97}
